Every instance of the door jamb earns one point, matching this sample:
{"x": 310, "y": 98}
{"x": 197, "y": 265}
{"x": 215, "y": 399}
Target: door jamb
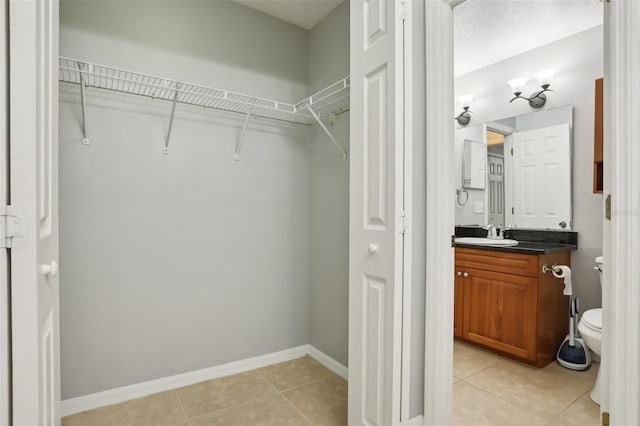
{"x": 621, "y": 247}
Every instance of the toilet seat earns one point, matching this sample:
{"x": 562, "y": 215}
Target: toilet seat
{"x": 593, "y": 319}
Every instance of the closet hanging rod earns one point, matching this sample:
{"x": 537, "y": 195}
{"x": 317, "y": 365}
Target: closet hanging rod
{"x": 116, "y": 79}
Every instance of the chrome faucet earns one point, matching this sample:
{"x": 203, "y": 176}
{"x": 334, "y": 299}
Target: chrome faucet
{"x": 492, "y": 231}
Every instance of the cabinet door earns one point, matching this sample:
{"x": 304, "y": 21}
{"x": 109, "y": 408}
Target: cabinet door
{"x": 500, "y": 312}
{"x": 458, "y": 302}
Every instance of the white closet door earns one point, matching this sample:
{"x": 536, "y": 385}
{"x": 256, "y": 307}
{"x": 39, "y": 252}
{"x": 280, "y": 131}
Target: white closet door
{"x": 376, "y": 200}
{"x": 542, "y": 177}
{"x": 34, "y": 195}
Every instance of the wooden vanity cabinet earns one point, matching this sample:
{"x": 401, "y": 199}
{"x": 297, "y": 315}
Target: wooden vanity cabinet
{"x": 504, "y": 302}
{"x": 458, "y": 303}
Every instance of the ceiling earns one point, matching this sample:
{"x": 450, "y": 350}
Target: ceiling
{"x": 489, "y": 31}
{"x": 303, "y": 13}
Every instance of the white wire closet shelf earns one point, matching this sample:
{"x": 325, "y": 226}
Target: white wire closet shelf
{"x": 331, "y": 100}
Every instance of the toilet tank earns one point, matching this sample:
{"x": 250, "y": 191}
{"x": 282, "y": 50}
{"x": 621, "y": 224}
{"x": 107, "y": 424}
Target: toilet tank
{"x": 598, "y": 267}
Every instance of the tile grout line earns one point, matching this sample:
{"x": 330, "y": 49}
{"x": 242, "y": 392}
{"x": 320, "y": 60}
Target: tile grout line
{"x": 184, "y": 411}
{"x": 569, "y": 406}
{"x": 295, "y": 408}
{"x": 548, "y": 375}
{"x": 304, "y": 384}
{"x": 281, "y": 393}
{"x": 508, "y": 402}
{"x": 231, "y": 406}
{"x": 478, "y": 371}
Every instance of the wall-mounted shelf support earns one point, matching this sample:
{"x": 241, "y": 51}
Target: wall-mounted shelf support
{"x": 173, "y": 113}
{"x": 329, "y": 135}
{"x": 236, "y": 155}
{"x": 85, "y": 138}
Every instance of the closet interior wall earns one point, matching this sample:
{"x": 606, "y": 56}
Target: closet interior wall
{"x": 174, "y": 263}
{"x": 329, "y": 194}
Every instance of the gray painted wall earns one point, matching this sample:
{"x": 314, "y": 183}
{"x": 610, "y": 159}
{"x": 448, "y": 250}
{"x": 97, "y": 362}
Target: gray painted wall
{"x": 172, "y": 263}
{"x": 578, "y": 61}
{"x": 329, "y": 189}
{"x": 214, "y": 43}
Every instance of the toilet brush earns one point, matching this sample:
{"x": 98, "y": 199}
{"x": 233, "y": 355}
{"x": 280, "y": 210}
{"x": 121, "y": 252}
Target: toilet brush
{"x": 573, "y": 353}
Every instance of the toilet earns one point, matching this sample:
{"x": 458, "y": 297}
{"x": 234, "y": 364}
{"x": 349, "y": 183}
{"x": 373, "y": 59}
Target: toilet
{"x": 590, "y": 328}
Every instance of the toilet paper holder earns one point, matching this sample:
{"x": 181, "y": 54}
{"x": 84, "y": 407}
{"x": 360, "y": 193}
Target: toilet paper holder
{"x": 553, "y": 268}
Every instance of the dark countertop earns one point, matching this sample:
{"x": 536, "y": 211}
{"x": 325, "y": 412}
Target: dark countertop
{"x": 526, "y": 247}
{"x": 530, "y": 241}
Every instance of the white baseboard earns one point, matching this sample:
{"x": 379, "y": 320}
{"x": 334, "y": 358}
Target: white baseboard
{"x": 139, "y": 390}
{"x": 328, "y": 362}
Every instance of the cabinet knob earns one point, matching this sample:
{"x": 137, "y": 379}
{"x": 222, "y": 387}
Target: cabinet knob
{"x": 459, "y": 273}
{"x": 373, "y": 248}
{"x": 466, "y": 274}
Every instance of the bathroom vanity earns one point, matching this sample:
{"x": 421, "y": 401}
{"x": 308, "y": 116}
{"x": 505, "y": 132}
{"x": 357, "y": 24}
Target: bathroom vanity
{"x": 506, "y": 303}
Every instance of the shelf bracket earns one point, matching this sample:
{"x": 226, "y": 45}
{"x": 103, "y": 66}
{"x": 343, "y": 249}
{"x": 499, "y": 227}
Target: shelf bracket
{"x": 173, "y": 113}
{"x": 236, "y": 155}
{"x": 335, "y": 142}
{"x": 85, "y": 138}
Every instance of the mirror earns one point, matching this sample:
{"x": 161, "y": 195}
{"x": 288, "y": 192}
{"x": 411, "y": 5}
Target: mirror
{"x": 516, "y": 171}
{"x": 474, "y": 164}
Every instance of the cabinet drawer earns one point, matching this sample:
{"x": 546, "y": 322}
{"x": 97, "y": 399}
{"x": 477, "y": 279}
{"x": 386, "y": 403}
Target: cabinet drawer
{"x": 489, "y": 260}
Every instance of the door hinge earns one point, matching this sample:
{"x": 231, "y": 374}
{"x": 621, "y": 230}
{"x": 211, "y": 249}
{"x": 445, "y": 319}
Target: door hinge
{"x": 605, "y": 419}
{"x": 511, "y": 151}
{"x": 513, "y": 210}
{"x": 11, "y": 227}
{"x": 404, "y": 223}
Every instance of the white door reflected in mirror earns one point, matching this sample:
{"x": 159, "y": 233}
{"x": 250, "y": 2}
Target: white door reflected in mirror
{"x": 525, "y": 177}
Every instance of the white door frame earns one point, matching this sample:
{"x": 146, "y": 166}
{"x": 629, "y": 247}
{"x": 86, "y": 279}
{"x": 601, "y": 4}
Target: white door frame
{"x": 439, "y": 214}
{"x": 5, "y": 400}
{"x": 621, "y": 285}
{"x": 621, "y": 295}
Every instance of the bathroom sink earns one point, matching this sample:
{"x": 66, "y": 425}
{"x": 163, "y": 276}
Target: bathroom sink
{"x": 486, "y": 242}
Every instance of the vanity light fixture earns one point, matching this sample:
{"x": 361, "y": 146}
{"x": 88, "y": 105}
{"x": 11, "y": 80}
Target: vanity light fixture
{"x": 465, "y": 116}
{"x": 537, "y": 99}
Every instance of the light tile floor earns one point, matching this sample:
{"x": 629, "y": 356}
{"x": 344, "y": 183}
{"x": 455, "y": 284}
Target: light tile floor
{"x": 487, "y": 390}
{"x": 492, "y": 390}
{"x": 299, "y": 392}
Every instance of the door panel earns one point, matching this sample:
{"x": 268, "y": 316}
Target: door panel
{"x": 496, "y": 189}
{"x": 499, "y": 311}
{"x": 542, "y": 177}
{"x": 376, "y": 238}
{"x": 34, "y": 187}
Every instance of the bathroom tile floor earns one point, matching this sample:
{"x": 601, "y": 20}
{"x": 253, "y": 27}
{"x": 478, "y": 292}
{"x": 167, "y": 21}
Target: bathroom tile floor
{"x": 487, "y": 390}
{"x": 299, "y": 392}
{"x": 492, "y": 390}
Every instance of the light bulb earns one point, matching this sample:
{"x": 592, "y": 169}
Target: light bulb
{"x": 517, "y": 84}
{"x": 465, "y": 101}
{"x": 545, "y": 77}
